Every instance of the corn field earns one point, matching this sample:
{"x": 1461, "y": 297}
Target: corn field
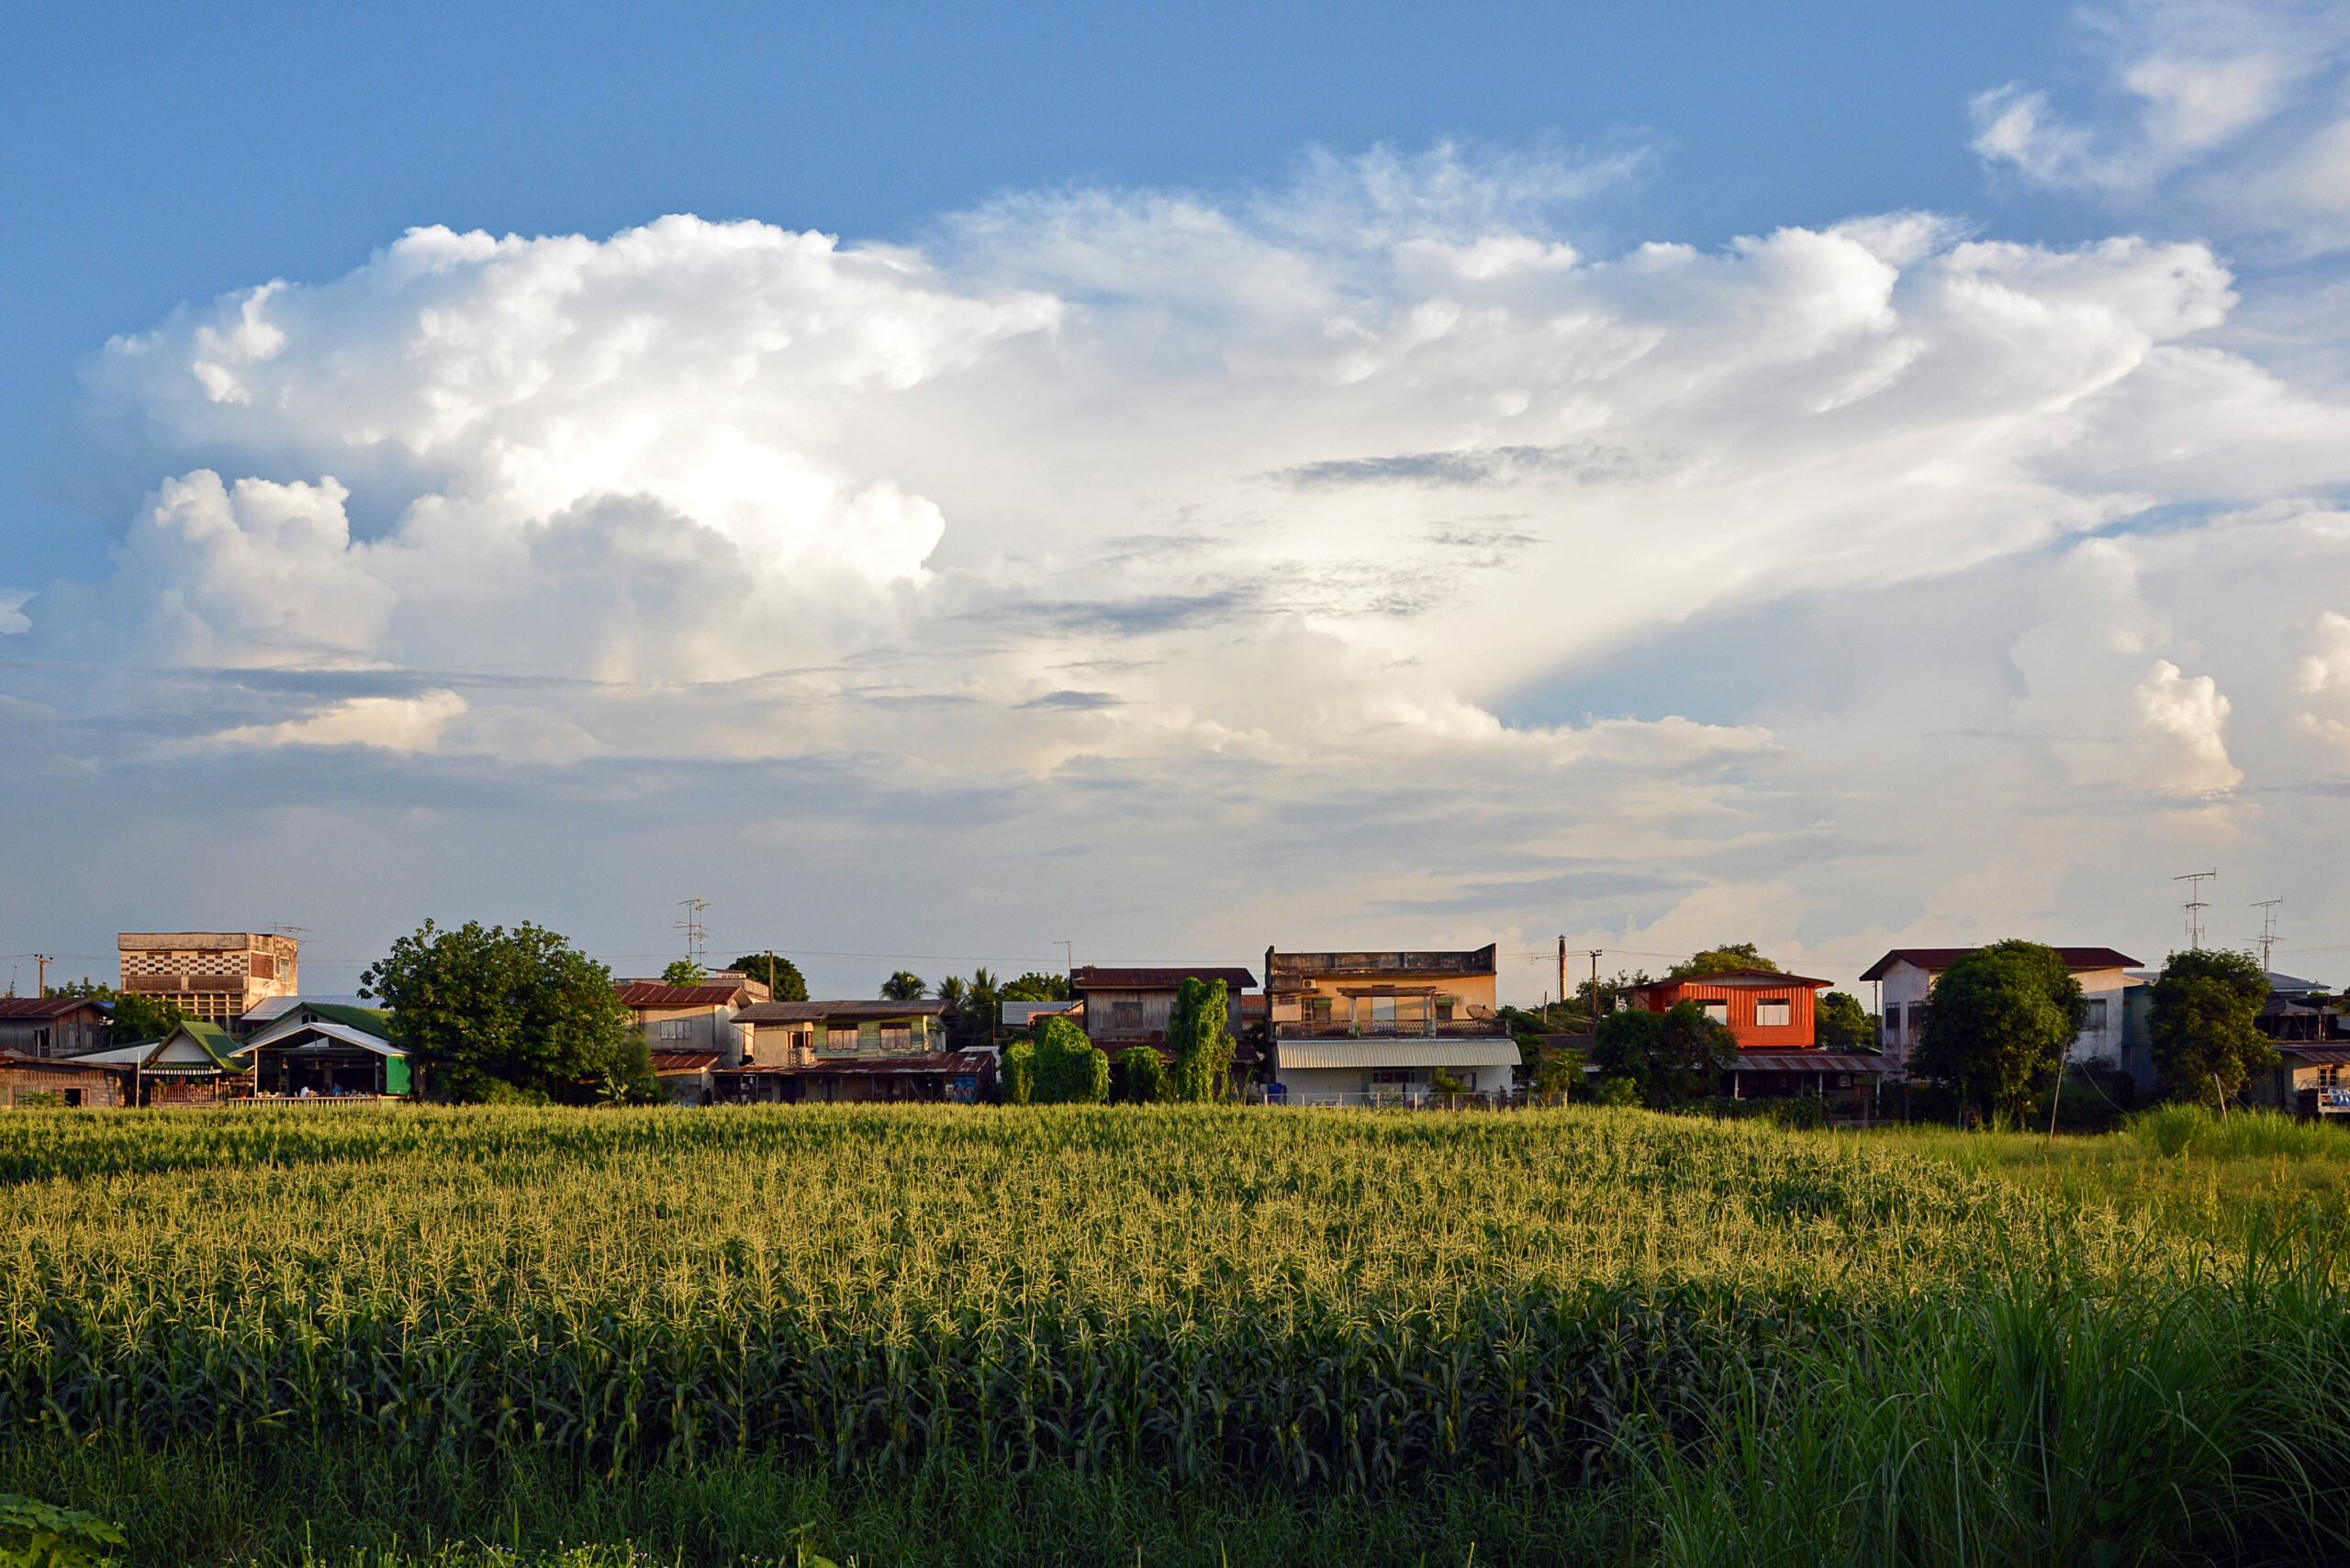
{"x": 1335, "y": 1300}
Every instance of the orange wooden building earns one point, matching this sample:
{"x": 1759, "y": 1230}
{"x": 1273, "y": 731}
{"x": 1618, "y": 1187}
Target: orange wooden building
{"x": 1766, "y": 1009}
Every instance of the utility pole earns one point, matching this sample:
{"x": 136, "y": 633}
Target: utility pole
{"x": 2267, "y": 908}
{"x": 697, "y": 939}
{"x": 44, "y": 961}
{"x": 2194, "y": 906}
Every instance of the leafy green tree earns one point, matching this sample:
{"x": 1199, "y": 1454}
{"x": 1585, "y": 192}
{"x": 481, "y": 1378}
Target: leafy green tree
{"x": 1556, "y": 1070}
{"x": 783, "y": 976}
{"x": 1603, "y": 999}
{"x": 2205, "y": 1025}
{"x": 1444, "y": 1082}
{"x": 1717, "y": 961}
{"x": 1070, "y": 1069}
{"x": 491, "y": 1013}
{"x": 1142, "y": 1076}
{"x": 1843, "y": 1024}
{"x": 1670, "y": 1057}
{"x": 684, "y": 971}
{"x": 904, "y": 986}
{"x": 952, "y": 991}
{"x": 1033, "y": 987}
{"x": 1016, "y": 1075}
{"x": 1199, "y": 1032}
{"x": 1998, "y": 1025}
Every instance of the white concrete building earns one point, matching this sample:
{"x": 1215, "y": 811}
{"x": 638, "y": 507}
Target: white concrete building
{"x": 1906, "y": 976}
{"x": 1374, "y": 1028}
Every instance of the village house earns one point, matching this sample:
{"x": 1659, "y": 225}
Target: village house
{"x": 1906, "y": 977}
{"x": 1130, "y": 1007}
{"x": 53, "y": 1025}
{"x": 1774, "y": 1017}
{"x": 837, "y": 1052}
{"x": 692, "y": 1030}
{"x": 194, "y": 1064}
{"x": 215, "y": 976}
{"x": 323, "y": 1050}
{"x": 1371, "y": 1027}
{"x": 28, "y": 1080}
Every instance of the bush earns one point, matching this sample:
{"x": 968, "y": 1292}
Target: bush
{"x": 1141, "y": 1077}
{"x": 36, "y": 1535}
{"x": 1070, "y": 1069}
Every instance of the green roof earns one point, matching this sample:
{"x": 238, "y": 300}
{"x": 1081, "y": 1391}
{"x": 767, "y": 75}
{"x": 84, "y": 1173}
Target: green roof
{"x": 376, "y": 1021}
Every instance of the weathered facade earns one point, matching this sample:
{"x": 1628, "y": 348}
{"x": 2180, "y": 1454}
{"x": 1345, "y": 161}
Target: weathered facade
{"x": 1372, "y": 1026}
{"x": 53, "y": 1025}
{"x": 1765, "y": 1009}
{"x": 836, "y": 1052}
{"x": 1130, "y": 1007}
{"x": 692, "y": 1030}
{"x": 215, "y": 976}
{"x": 29, "y": 1081}
{"x": 1906, "y": 977}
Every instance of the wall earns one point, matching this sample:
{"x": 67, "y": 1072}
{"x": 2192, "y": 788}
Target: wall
{"x": 98, "y": 1088}
{"x": 1799, "y": 1033}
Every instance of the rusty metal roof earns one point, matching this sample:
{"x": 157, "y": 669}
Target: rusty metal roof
{"x": 1745, "y": 980}
{"x": 653, "y": 993}
{"x": 818, "y": 1012}
{"x": 2315, "y": 1054}
{"x": 1805, "y": 1061}
{"x": 46, "y": 1006}
{"x": 1087, "y": 977}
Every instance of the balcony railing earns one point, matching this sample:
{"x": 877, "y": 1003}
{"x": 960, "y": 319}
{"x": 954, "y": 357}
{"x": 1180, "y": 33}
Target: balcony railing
{"x": 1392, "y": 1029}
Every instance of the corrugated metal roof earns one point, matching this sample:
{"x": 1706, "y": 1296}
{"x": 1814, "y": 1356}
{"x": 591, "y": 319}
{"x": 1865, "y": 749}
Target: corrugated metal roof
{"x": 1086, "y": 977}
{"x": 1743, "y": 978}
{"x": 653, "y": 993}
{"x": 340, "y": 1034}
{"x": 46, "y": 1006}
{"x": 683, "y": 1061}
{"x": 1936, "y": 959}
{"x": 2317, "y": 1055}
{"x": 817, "y": 1012}
{"x": 1302, "y": 1054}
{"x": 1805, "y": 1061}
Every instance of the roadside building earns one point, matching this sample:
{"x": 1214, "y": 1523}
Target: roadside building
{"x": 1906, "y": 977}
{"x": 323, "y": 1051}
{"x": 1379, "y": 1028}
{"x": 852, "y": 1052}
{"x": 215, "y": 976}
{"x": 53, "y": 1025}
{"x": 29, "y": 1081}
{"x": 196, "y": 1064}
{"x": 1775, "y": 1018}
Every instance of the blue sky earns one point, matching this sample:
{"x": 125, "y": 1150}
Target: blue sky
{"x": 1664, "y": 474}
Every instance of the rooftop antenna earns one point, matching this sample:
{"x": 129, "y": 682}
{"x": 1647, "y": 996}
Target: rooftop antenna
{"x": 1068, "y": 958}
{"x": 2194, "y": 906}
{"x": 2267, "y": 908}
{"x": 697, "y": 939}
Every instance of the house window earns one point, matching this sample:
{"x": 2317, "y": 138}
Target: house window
{"x": 1917, "y": 1016}
{"x": 897, "y": 1039}
{"x": 2096, "y": 1024}
{"x": 1716, "y": 1011}
{"x": 841, "y": 1037}
{"x": 1444, "y": 1006}
{"x": 1126, "y": 1016}
{"x": 1775, "y": 1011}
{"x": 2328, "y": 1077}
{"x": 675, "y": 1028}
{"x": 1891, "y": 1020}
{"x": 1317, "y": 1010}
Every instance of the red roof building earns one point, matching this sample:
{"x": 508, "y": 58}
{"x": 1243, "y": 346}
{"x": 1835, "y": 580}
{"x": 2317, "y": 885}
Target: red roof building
{"x": 1766, "y": 1011}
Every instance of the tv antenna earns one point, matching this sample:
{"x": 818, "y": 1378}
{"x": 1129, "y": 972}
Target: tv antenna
{"x": 2267, "y": 908}
{"x": 697, "y": 939}
{"x": 2194, "y": 906}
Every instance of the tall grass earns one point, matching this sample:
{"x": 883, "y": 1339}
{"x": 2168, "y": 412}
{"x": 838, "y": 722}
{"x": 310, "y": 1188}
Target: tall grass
{"x": 1675, "y": 1340}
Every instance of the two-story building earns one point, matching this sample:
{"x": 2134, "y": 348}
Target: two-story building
{"x": 834, "y": 1052}
{"x": 53, "y": 1025}
{"x": 1122, "y": 1008}
{"x": 214, "y": 976}
{"x": 1376, "y": 1027}
{"x": 692, "y": 1030}
{"x": 1773, "y": 1016}
{"x": 1906, "y": 977}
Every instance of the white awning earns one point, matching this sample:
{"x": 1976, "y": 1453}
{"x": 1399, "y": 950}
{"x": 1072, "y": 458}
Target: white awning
{"x": 341, "y": 1034}
{"x": 1402, "y": 1053}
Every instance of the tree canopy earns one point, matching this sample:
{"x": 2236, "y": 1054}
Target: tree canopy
{"x": 2206, "y": 1041}
{"x": 1140, "y": 1076}
{"x": 1669, "y": 1058}
{"x": 1199, "y": 1032}
{"x": 1033, "y": 987}
{"x": 490, "y": 1013}
{"x": 684, "y": 971}
{"x": 782, "y": 976}
{"x": 904, "y": 986}
{"x": 1071, "y": 1069}
{"x": 1717, "y": 961}
{"x": 1997, "y": 1026}
{"x": 1841, "y": 1023}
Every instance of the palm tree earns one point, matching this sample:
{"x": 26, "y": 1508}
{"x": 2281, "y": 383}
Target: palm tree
{"x": 951, "y": 991}
{"x": 904, "y": 986}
